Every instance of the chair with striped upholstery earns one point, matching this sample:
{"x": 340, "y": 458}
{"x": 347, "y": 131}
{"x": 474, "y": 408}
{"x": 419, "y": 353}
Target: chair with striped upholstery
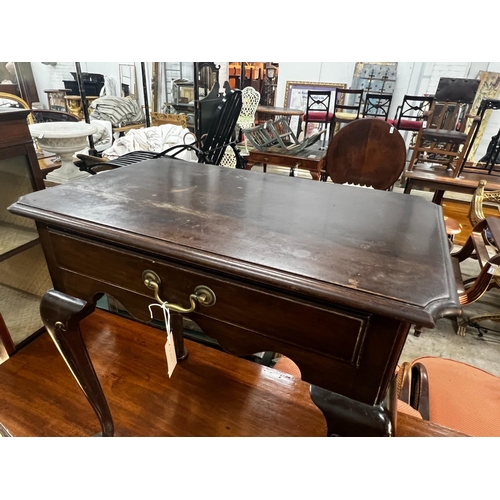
{"x": 347, "y": 107}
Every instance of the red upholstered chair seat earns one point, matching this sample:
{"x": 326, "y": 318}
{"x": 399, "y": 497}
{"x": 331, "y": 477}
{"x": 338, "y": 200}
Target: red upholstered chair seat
{"x": 406, "y": 124}
{"x": 319, "y": 116}
{"x": 463, "y": 397}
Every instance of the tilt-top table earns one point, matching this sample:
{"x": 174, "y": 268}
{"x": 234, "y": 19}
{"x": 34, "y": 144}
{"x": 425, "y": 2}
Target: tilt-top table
{"x": 331, "y": 276}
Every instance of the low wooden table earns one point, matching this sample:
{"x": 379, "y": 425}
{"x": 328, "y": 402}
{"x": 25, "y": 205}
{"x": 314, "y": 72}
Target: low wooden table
{"x": 312, "y": 159}
{"x": 441, "y": 181}
{"x": 320, "y": 273}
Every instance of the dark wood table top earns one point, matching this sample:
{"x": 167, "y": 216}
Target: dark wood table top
{"x": 376, "y": 251}
{"x": 274, "y": 110}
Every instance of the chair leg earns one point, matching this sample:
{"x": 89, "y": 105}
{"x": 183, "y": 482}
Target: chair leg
{"x": 418, "y": 330}
{"x": 416, "y": 151}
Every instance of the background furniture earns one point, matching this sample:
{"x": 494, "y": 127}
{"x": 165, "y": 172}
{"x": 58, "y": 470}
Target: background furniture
{"x": 377, "y": 105}
{"x": 316, "y": 274}
{"x": 56, "y": 99}
{"x": 318, "y": 110}
{"x": 410, "y": 113}
{"x": 450, "y": 127}
{"x": 158, "y": 119}
{"x": 209, "y": 149}
{"x": 476, "y": 215}
{"x": 347, "y": 107}
{"x": 368, "y": 152}
{"x": 92, "y": 82}
{"x": 484, "y": 236}
{"x": 443, "y": 181}
{"x": 489, "y": 161}
{"x": 23, "y": 272}
{"x": 312, "y": 159}
{"x": 265, "y": 113}
{"x": 74, "y": 105}
{"x": 455, "y": 395}
{"x": 17, "y": 102}
{"x": 277, "y": 136}
{"x": 250, "y": 101}
{"x": 23, "y": 83}
{"x": 46, "y": 116}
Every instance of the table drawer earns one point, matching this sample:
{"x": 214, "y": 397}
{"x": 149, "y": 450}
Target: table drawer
{"x": 278, "y": 160}
{"x": 274, "y": 314}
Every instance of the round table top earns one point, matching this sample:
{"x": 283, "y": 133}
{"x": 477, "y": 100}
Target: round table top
{"x": 368, "y": 152}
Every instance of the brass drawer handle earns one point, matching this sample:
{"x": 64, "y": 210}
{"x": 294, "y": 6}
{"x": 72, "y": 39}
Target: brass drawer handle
{"x": 202, "y": 294}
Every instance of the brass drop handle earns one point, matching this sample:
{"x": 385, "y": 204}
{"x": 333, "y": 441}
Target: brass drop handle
{"x": 202, "y": 294}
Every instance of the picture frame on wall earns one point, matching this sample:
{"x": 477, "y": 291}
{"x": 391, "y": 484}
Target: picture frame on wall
{"x": 296, "y": 96}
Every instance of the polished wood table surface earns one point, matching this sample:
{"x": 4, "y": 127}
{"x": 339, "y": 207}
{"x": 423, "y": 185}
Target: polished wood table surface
{"x": 312, "y": 159}
{"x": 331, "y": 276}
{"x": 38, "y": 396}
{"x": 440, "y": 181}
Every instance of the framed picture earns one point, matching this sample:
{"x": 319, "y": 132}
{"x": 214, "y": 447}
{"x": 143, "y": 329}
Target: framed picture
{"x": 296, "y": 97}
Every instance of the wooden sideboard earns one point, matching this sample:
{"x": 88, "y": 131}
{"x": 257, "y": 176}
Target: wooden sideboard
{"x": 331, "y": 276}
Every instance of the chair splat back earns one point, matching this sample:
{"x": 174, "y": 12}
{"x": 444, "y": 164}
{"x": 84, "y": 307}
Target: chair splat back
{"x": 377, "y": 105}
{"x": 410, "y": 114}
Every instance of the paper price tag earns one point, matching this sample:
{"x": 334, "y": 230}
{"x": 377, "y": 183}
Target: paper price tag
{"x": 493, "y": 268}
{"x": 170, "y": 344}
{"x": 170, "y": 352}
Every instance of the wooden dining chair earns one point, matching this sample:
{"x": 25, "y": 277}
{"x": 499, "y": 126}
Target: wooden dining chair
{"x": 318, "y": 110}
{"x": 347, "y": 108}
{"x": 410, "y": 114}
{"x": 377, "y": 105}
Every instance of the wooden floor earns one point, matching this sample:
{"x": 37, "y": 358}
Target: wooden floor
{"x": 458, "y": 210}
{"x": 211, "y": 393}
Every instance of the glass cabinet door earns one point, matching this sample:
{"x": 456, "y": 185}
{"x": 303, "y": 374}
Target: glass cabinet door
{"x": 24, "y": 277}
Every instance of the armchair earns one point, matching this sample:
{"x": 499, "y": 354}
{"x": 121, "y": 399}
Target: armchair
{"x": 411, "y": 113}
{"x": 453, "y": 394}
{"x": 445, "y": 137}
